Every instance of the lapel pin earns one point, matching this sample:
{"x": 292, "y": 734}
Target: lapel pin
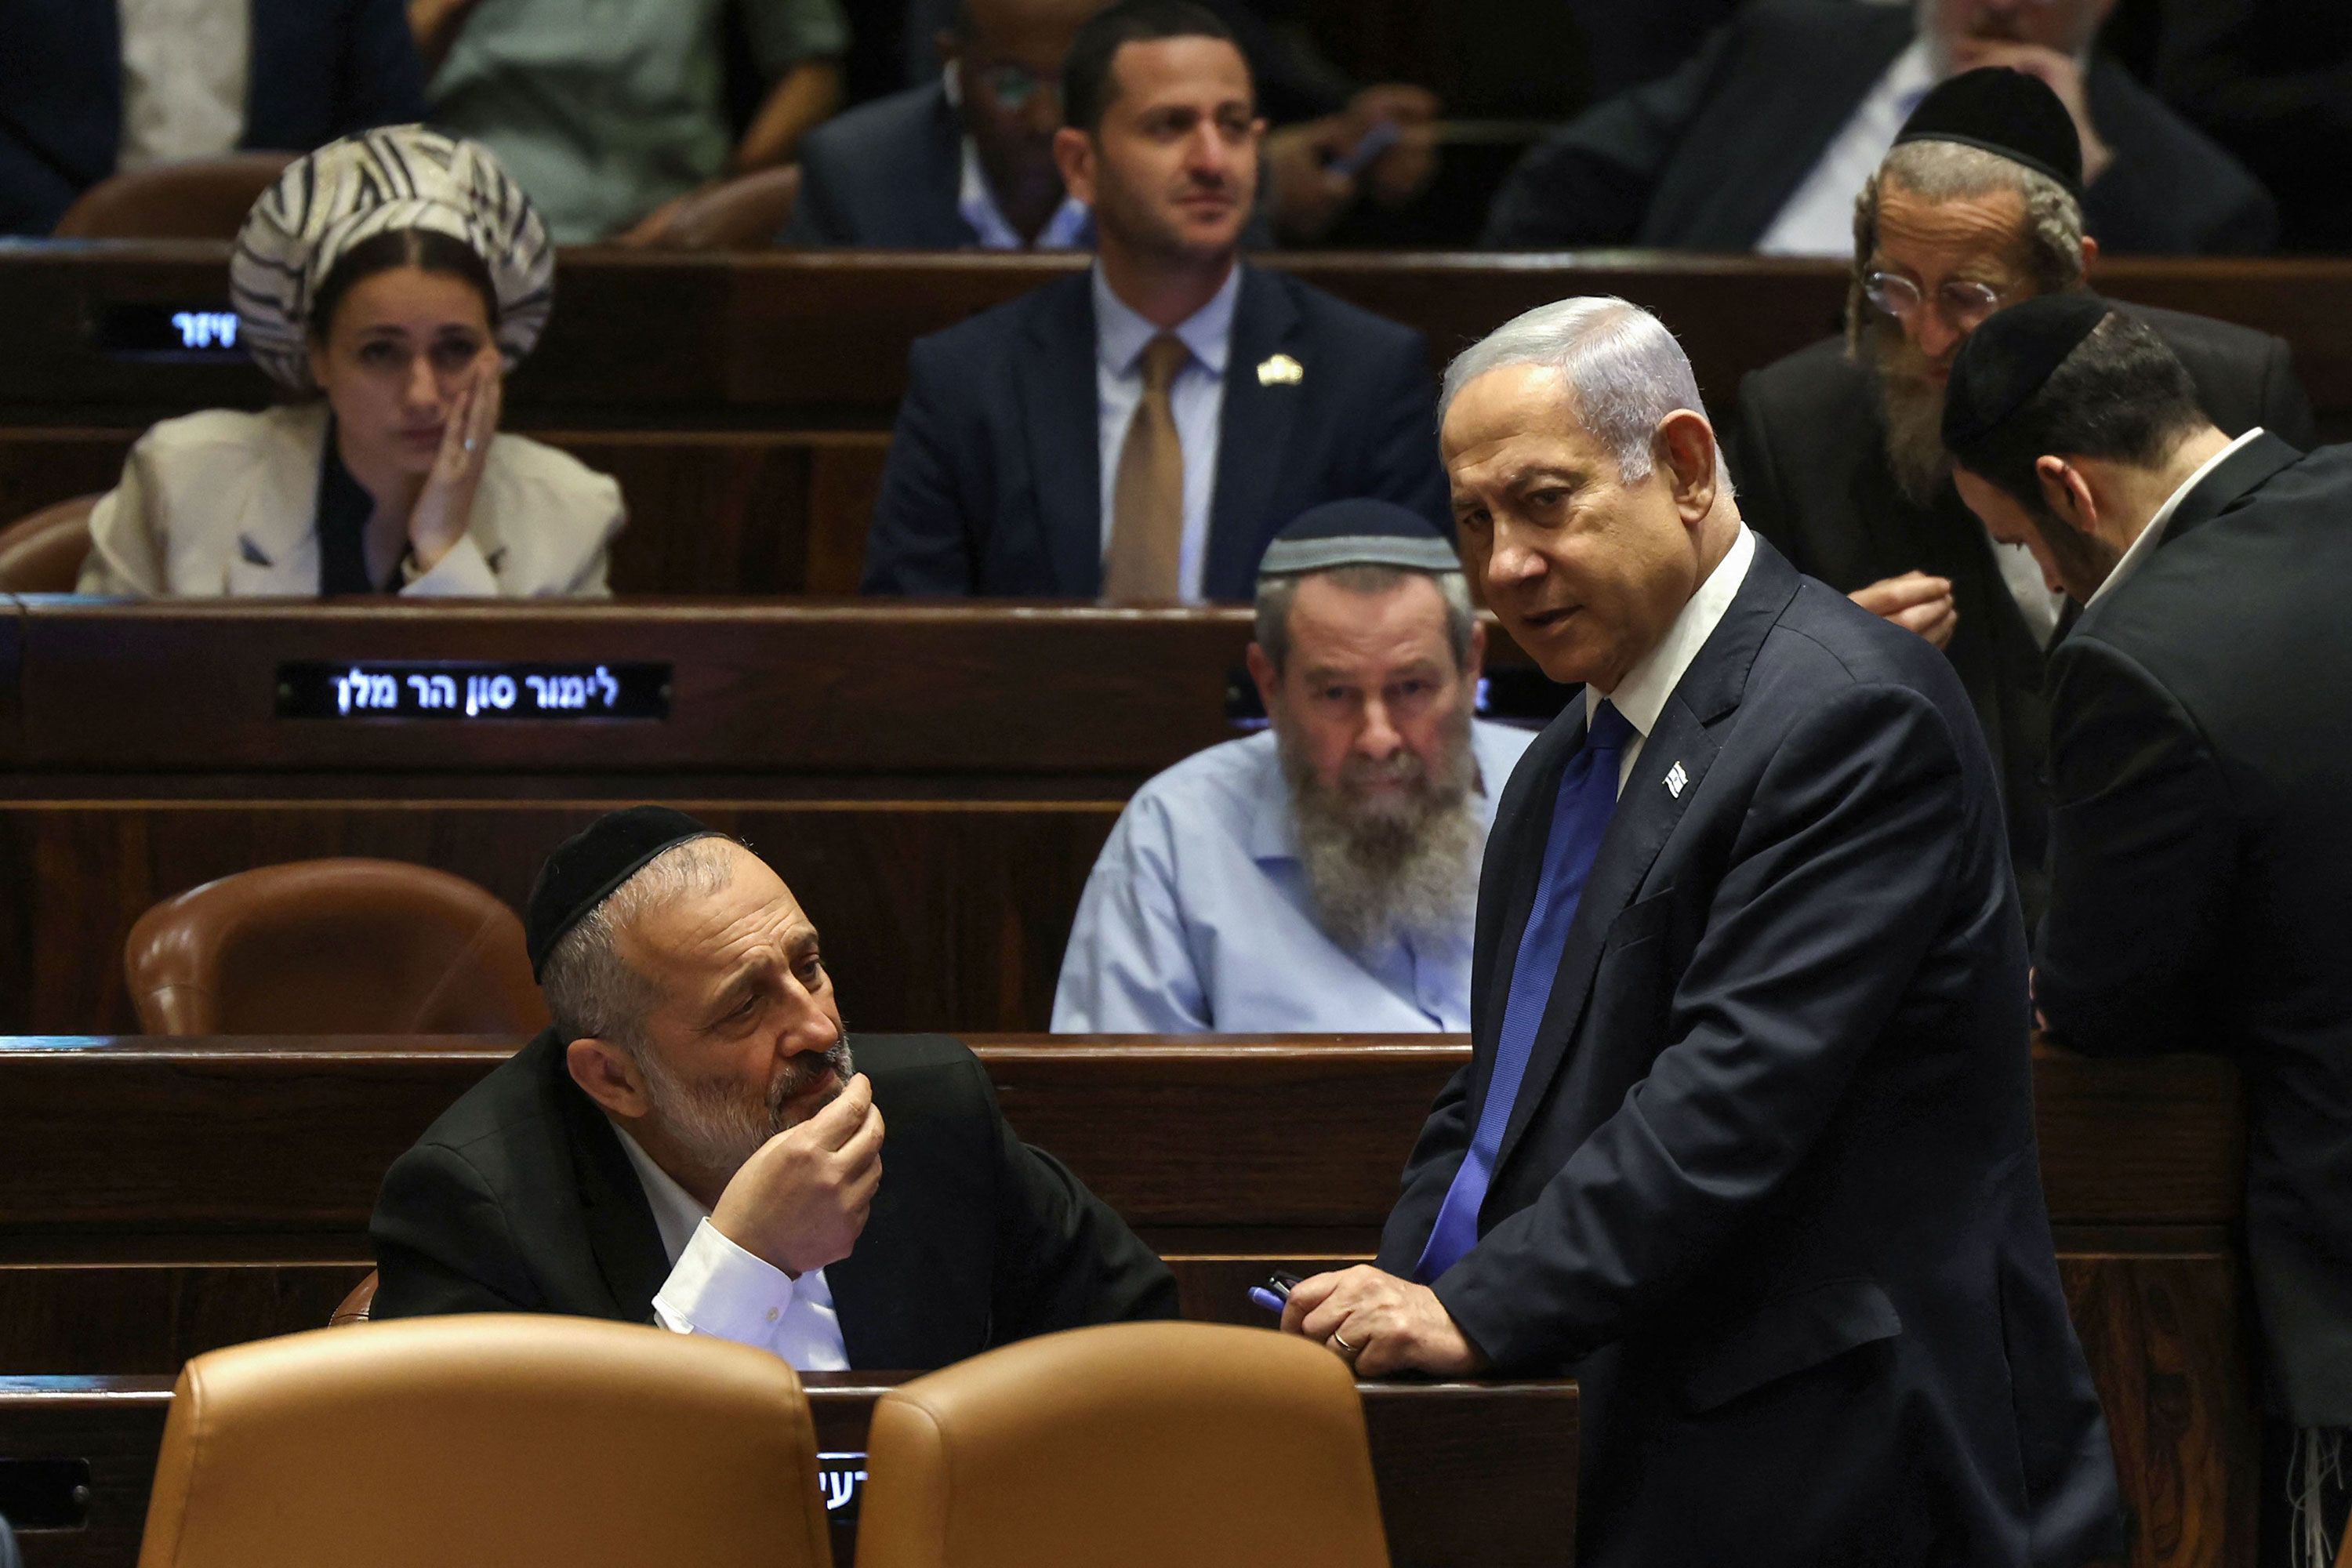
{"x": 1675, "y": 780}
{"x": 1280, "y": 370}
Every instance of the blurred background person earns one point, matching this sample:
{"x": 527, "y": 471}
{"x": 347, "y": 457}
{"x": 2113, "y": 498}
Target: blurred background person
{"x": 609, "y": 115}
{"x": 1838, "y": 449}
{"x": 1321, "y": 875}
{"x": 396, "y": 277}
{"x": 1140, "y": 431}
{"x": 93, "y": 88}
{"x": 1760, "y": 140}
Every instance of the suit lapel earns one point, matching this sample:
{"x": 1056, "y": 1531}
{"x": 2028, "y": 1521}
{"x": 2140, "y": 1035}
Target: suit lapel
{"x": 620, "y": 1222}
{"x": 1061, "y": 411}
{"x": 2238, "y": 476}
{"x": 1647, "y": 813}
{"x": 938, "y": 194}
{"x": 1252, "y": 434}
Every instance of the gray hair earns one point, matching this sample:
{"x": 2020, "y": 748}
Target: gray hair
{"x": 1941, "y": 172}
{"x": 1276, "y": 593}
{"x": 1624, "y": 370}
{"x": 592, "y": 991}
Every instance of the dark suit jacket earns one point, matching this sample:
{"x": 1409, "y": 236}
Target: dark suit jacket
{"x": 1705, "y": 158}
{"x": 1770, "y": 1186}
{"x": 885, "y": 174}
{"x": 2202, "y": 869}
{"x": 1809, "y": 452}
{"x": 520, "y": 1198}
{"x": 320, "y": 69}
{"x": 993, "y": 484}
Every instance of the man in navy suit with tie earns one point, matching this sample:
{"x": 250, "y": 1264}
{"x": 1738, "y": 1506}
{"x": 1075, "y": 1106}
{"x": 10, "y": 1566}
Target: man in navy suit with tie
{"x": 1139, "y": 431}
{"x": 1746, "y": 1141}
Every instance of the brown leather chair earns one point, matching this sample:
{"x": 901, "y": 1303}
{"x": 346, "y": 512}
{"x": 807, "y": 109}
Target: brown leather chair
{"x": 332, "y": 947}
{"x": 1148, "y": 1444}
{"x": 358, "y": 1305}
{"x": 42, "y": 552}
{"x": 747, "y": 213}
{"x": 194, "y": 198}
{"x": 497, "y": 1440}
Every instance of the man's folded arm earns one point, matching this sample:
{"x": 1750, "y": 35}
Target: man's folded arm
{"x": 2142, "y": 844}
{"x": 442, "y": 1243}
{"x": 1840, "y": 880}
{"x": 1064, "y": 1258}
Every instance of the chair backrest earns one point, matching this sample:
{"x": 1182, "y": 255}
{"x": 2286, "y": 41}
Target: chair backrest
{"x": 497, "y": 1440}
{"x": 358, "y": 1305}
{"x": 748, "y": 212}
{"x": 1148, "y": 1444}
{"x": 194, "y": 198}
{"x": 42, "y": 552}
{"x": 332, "y": 947}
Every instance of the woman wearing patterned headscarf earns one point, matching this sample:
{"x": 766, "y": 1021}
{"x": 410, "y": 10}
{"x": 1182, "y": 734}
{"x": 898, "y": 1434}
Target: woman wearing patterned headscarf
{"x": 391, "y": 280}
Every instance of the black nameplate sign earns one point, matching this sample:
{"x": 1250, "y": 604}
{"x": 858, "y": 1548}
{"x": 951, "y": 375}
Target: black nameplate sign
{"x": 204, "y": 334}
{"x": 471, "y": 690}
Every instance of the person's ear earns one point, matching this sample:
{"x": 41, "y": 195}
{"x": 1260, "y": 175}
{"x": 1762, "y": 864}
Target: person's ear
{"x": 1268, "y": 678}
{"x": 1475, "y": 665}
{"x": 2066, "y": 494}
{"x": 2090, "y": 254}
{"x": 1685, "y": 443}
{"x": 1073, "y": 156}
{"x": 606, "y": 1075}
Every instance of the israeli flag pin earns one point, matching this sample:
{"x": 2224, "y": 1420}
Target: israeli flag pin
{"x": 1675, "y": 780}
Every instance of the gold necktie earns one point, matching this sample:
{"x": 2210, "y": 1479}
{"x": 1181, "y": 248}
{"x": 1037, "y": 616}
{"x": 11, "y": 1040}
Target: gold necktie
{"x": 1147, "y": 501}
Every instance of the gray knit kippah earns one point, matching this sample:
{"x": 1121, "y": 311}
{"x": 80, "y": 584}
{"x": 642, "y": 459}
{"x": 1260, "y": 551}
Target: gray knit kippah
{"x": 1358, "y": 533}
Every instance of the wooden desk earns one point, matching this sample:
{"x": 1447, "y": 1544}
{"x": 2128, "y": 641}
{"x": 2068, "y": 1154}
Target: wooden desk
{"x": 1482, "y": 1475}
{"x": 742, "y": 400}
{"x": 175, "y": 1196}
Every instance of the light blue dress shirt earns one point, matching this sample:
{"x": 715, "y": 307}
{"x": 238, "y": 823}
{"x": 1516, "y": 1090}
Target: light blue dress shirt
{"x": 1197, "y": 398}
{"x": 1197, "y": 917}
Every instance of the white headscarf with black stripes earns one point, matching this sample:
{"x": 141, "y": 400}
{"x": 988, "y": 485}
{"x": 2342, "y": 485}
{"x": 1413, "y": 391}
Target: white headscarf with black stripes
{"x": 399, "y": 177}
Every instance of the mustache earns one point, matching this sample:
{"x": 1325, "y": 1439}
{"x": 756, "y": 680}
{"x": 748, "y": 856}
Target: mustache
{"x": 805, "y": 1072}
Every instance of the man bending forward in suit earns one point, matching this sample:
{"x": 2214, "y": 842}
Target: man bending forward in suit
{"x": 690, "y": 1145}
{"x": 1747, "y": 1137}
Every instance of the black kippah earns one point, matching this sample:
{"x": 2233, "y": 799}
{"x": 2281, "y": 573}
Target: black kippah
{"x": 2004, "y": 361}
{"x": 586, "y": 868}
{"x": 2007, "y": 113}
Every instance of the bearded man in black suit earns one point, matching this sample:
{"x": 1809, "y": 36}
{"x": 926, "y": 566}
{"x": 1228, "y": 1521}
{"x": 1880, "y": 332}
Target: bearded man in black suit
{"x": 1837, "y": 449}
{"x": 690, "y": 1144}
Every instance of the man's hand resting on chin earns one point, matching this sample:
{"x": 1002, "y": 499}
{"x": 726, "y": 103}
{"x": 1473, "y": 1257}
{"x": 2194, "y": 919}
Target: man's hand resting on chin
{"x": 1383, "y": 1324}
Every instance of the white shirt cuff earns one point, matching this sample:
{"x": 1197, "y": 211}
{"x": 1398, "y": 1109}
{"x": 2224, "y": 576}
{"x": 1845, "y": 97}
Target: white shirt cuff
{"x": 717, "y": 1289}
{"x": 463, "y": 572}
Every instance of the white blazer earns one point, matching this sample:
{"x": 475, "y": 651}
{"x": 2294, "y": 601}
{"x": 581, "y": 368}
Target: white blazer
{"x": 226, "y": 504}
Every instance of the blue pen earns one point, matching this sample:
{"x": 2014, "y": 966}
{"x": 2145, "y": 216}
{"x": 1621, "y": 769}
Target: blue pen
{"x": 1275, "y": 1294}
{"x": 1267, "y": 1299}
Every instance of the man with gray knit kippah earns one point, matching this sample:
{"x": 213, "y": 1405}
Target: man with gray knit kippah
{"x": 1322, "y": 876}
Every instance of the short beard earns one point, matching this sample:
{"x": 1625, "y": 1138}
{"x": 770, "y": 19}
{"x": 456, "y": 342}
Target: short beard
{"x": 717, "y": 1127}
{"x": 1382, "y": 869}
{"x": 1913, "y": 406}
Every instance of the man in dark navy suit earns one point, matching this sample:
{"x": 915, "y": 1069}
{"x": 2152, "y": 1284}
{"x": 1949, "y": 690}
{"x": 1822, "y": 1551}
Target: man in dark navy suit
{"x": 1139, "y": 431}
{"x": 1746, "y": 1141}
{"x": 302, "y": 72}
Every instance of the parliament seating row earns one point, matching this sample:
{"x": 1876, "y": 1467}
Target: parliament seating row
{"x": 177, "y": 1194}
{"x": 742, "y": 400}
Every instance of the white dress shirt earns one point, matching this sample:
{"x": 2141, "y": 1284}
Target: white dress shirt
{"x": 184, "y": 68}
{"x": 1197, "y": 397}
{"x": 1642, "y": 695}
{"x": 715, "y": 1287}
{"x": 2136, "y": 555}
{"x": 1818, "y": 220}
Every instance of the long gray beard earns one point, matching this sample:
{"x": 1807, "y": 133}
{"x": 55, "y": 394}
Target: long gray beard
{"x": 1407, "y": 870}
{"x": 718, "y": 1127}
{"x": 1914, "y": 409}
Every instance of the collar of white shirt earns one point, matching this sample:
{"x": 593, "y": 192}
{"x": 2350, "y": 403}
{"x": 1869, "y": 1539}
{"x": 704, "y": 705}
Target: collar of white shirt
{"x": 1121, "y": 335}
{"x": 2135, "y": 556}
{"x": 1072, "y": 226}
{"x": 1642, "y": 695}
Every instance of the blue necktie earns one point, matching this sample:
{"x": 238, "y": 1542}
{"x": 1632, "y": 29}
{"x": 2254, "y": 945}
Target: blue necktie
{"x": 1587, "y": 798}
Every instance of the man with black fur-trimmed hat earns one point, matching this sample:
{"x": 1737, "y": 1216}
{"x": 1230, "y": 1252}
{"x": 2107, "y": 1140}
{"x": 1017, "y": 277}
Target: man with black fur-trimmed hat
{"x": 691, "y": 1143}
{"x": 1836, "y": 449}
{"x": 2200, "y": 753}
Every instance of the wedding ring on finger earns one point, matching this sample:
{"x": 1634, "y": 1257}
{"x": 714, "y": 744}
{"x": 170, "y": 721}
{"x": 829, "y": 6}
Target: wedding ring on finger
{"x": 1343, "y": 1346}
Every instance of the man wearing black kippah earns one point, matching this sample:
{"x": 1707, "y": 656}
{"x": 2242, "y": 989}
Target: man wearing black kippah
{"x": 2201, "y": 712}
{"x": 1836, "y": 448}
{"x": 691, "y": 1144}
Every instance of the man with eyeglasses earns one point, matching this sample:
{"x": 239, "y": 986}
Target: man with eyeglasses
{"x": 1838, "y": 451}
{"x": 965, "y": 162}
